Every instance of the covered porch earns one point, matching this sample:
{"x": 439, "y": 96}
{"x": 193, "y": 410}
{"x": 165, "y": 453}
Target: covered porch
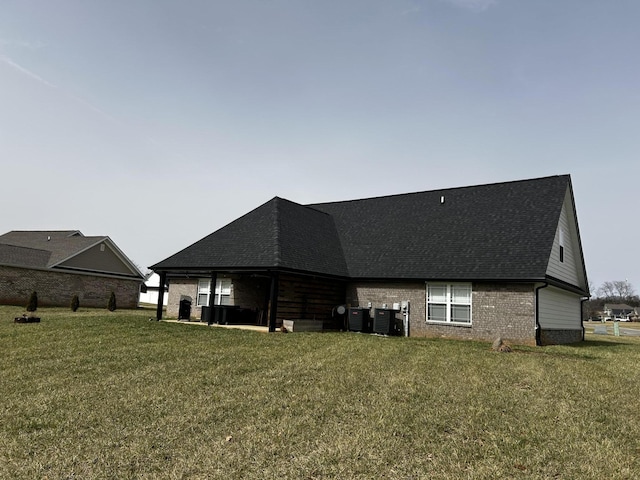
{"x": 258, "y": 298}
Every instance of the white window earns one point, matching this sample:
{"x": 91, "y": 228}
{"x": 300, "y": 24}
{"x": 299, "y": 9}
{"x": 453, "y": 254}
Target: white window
{"x": 449, "y": 303}
{"x": 222, "y": 293}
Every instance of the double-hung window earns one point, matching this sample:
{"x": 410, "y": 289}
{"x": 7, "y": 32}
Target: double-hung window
{"x": 449, "y": 303}
{"x": 222, "y": 291}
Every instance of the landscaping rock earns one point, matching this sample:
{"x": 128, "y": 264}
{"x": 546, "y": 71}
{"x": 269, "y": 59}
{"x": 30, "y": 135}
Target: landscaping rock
{"x": 500, "y": 346}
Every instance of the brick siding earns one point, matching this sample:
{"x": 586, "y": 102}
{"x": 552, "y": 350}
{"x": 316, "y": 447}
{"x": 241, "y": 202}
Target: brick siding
{"x": 55, "y": 289}
{"x": 498, "y": 310}
{"x": 179, "y": 287}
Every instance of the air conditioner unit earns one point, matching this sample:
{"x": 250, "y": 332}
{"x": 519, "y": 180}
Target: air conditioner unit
{"x": 359, "y": 320}
{"x": 384, "y": 321}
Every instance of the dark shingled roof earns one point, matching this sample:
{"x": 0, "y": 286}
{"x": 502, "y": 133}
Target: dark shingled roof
{"x": 278, "y": 233}
{"x": 501, "y": 231}
{"x": 23, "y": 256}
{"x": 59, "y": 244}
{"x": 51, "y": 248}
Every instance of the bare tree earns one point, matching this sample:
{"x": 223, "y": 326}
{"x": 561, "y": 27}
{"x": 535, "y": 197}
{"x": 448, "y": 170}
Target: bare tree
{"x": 624, "y": 289}
{"x": 617, "y": 291}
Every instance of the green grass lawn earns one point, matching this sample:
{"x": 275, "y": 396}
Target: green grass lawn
{"x": 94, "y": 394}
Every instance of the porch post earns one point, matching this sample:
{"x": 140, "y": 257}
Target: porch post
{"x": 212, "y": 297}
{"x": 163, "y": 280}
{"x": 273, "y": 302}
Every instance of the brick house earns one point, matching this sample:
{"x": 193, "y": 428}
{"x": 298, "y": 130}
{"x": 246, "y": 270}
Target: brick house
{"x": 478, "y": 262}
{"x": 59, "y": 264}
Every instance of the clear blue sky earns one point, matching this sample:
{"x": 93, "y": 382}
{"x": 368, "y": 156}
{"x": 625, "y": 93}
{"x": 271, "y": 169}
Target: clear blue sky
{"x": 157, "y": 122}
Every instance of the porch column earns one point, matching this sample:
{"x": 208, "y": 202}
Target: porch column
{"x": 273, "y": 302}
{"x": 163, "y": 280}
{"x": 212, "y": 296}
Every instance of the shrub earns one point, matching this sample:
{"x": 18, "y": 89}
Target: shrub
{"x": 32, "y": 306}
{"x": 112, "y": 302}
{"x": 75, "y": 303}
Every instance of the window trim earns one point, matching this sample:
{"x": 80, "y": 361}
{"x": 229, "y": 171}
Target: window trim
{"x": 222, "y": 290}
{"x": 449, "y": 303}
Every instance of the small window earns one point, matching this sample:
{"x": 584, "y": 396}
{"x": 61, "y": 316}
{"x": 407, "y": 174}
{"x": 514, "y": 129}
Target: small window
{"x": 102, "y": 247}
{"x": 561, "y": 243}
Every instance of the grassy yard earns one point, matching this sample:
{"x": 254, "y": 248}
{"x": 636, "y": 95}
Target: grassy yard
{"x": 94, "y": 394}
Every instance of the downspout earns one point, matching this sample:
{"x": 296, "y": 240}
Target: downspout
{"x": 537, "y": 314}
{"x": 582, "y": 300}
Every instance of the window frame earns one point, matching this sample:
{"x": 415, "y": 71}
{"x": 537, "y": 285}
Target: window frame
{"x": 222, "y": 291}
{"x": 448, "y": 303}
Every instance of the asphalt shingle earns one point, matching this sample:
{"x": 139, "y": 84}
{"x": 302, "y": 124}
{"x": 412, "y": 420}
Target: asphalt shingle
{"x": 501, "y": 231}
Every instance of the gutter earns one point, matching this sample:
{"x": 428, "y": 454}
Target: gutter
{"x": 537, "y": 314}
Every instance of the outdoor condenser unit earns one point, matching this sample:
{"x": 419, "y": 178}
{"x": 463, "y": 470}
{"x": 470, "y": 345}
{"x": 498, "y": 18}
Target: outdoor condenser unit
{"x": 359, "y": 320}
{"x": 384, "y": 321}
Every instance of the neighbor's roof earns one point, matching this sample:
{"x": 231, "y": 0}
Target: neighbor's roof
{"x": 617, "y": 306}
{"x": 60, "y": 244}
{"x": 496, "y": 231}
{"x": 13, "y": 255}
{"x": 49, "y": 248}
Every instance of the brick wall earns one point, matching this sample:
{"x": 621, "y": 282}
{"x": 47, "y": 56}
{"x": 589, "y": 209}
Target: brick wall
{"x": 55, "y": 289}
{"x": 361, "y": 293}
{"x": 179, "y": 287}
{"x": 498, "y": 310}
{"x": 504, "y": 310}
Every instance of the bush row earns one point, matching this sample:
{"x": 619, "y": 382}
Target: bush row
{"x": 32, "y": 304}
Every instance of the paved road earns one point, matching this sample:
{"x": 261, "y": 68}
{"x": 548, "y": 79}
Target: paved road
{"x": 607, "y": 329}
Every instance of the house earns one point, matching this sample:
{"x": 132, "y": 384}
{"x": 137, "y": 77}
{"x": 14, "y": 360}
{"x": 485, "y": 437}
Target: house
{"x": 619, "y": 311}
{"x": 479, "y": 262}
{"x": 149, "y": 290}
{"x": 60, "y": 264}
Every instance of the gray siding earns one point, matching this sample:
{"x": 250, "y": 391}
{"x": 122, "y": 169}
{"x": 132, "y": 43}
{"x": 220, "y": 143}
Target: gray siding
{"x": 571, "y": 269}
{"x": 97, "y": 260}
{"x": 559, "y": 309}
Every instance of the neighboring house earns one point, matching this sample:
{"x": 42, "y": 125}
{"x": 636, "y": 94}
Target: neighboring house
{"x": 149, "y": 290}
{"x": 480, "y": 262}
{"x": 59, "y": 264}
{"x": 620, "y": 311}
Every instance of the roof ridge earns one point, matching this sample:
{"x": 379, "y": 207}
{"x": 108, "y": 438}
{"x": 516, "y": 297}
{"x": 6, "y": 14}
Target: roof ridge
{"x": 438, "y": 190}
